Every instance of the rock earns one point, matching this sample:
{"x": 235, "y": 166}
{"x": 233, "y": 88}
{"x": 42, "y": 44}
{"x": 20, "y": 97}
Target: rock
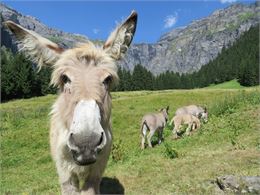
{"x": 239, "y": 184}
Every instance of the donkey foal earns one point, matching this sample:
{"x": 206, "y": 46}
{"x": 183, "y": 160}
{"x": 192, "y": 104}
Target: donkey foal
{"x": 192, "y": 121}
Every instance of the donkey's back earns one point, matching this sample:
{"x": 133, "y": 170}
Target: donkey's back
{"x": 153, "y": 121}
{"x": 191, "y": 109}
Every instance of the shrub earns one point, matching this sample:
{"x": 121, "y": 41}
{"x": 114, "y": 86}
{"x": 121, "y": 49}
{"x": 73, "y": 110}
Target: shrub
{"x": 117, "y": 151}
{"x": 170, "y": 152}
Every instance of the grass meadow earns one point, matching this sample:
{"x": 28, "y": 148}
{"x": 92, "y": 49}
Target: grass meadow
{"x": 233, "y": 84}
{"x": 228, "y": 144}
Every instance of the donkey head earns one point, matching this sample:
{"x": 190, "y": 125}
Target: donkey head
{"x": 204, "y": 115}
{"x": 165, "y": 112}
{"x": 84, "y": 76}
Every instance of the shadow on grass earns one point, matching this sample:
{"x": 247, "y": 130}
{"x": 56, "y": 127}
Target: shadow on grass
{"x": 111, "y": 186}
{"x": 155, "y": 143}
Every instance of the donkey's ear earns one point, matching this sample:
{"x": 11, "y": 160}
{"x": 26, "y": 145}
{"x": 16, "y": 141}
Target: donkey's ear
{"x": 121, "y": 38}
{"x": 39, "y": 49}
{"x": 167, "y": 109}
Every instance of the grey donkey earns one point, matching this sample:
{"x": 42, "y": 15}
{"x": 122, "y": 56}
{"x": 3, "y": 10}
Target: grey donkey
{"x": 153, "y": 122}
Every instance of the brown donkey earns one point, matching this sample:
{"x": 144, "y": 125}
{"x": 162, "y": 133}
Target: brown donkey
{"x": 80, "y": 134}
{"x": 192, "y": 121}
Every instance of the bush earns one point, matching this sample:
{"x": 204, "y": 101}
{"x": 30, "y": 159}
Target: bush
{"x": 117, "y": 151}
{"x": 170, "y": 152}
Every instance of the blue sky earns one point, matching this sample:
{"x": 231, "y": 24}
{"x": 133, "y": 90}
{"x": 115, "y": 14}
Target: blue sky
{"x": 96, "y": 19}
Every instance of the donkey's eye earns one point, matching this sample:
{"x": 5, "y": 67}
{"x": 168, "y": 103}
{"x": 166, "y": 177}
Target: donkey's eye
{"x": 65, "y": 79}
{"x": 108, "y": 80}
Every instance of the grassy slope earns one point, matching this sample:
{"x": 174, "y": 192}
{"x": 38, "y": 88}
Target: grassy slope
{"x": 233, "y": 84}
{"x": 227, "y": 144}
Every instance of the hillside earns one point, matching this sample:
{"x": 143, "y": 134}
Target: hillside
{"x": 233, "y": 84}
{"x": 227, "y": 144}
{"x": 181, "y": 50}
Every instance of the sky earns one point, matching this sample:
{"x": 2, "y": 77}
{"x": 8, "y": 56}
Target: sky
{"x": 96, "y": 19}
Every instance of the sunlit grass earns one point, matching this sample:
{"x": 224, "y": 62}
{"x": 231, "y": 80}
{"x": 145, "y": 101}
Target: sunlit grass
{"x": 227, "y": 144}
{"x": 233, "y": 84}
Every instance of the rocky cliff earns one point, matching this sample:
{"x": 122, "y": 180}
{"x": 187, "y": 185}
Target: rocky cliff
{"x": 188, "y": 48}
{"x": 181, "y": 50}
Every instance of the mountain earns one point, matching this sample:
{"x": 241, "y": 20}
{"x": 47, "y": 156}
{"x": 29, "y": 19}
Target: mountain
{"x": 182, "y": 50}
{"x": 66, "y": 40}
{"x": 188, "y": 48}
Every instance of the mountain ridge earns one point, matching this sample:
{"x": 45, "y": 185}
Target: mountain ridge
{"x": 184, "y": 49}
{"x": 64, "y": 39}
{"x": 187, "y": 49}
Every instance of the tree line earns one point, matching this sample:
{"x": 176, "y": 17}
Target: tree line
{"x": 21, "y": 79}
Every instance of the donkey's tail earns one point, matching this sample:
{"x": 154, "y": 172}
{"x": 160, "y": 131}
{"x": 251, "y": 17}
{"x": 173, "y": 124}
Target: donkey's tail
{"x": 144, "y": 128}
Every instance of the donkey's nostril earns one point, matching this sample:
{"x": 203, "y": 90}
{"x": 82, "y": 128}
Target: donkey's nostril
{"x": 101, "y": 139}
{"x": 71, "y": 138}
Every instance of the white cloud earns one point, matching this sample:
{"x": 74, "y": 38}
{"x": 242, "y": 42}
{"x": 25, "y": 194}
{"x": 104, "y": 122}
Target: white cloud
{"x": 228, "y": 1}
{"x": 95, "y": 31}
{"x": 170, "y": 20}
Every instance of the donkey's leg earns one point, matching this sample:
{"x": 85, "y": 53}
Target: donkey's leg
{"x": 69, "y": 181}
{"x": 188, "y": 130}
{"x": 143, "y": 134}
{"x": 70, "y": 186}
{"x": 91, "y": 187}
{"x": 176, "y": 129}
{"x": 174, "y": 132}
{"x": 160, "y": 135}
{"x": 193, "y": 126}
{"x": 142, "y": 141}
{"x": 150, "y": 135}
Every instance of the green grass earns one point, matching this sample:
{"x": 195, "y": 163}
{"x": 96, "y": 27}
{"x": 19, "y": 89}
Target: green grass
{"x": 227, "y": 144}
{"x": 233, "y": 84}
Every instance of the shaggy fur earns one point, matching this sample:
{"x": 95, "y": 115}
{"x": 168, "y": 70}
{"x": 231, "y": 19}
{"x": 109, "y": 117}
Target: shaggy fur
{"x": 87, "y": 67}
{"x": 83, "y": 73}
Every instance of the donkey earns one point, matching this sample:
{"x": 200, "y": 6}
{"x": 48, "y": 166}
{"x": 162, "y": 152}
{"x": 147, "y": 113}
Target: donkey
{"x": 80, "y": 133}
{"x": 153, "y": 122}
{"x": 192, "y": 121}
{"x": 194, "y": 110}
